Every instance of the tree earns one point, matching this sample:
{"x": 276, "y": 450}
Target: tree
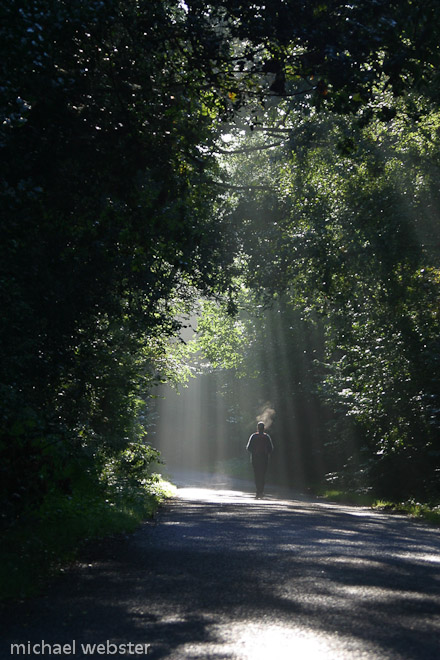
{"x": 108, "y": 221}
{"x": 116, "y": 212}
{"x": 344, "y": 233}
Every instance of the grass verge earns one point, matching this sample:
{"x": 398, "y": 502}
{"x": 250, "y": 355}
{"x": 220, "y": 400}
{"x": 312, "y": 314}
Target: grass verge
{"x": 346, "y": 497}
{"x": 38, "y": 543}
{"x": 429, "y": 513}
{"x": 411, "y": 508}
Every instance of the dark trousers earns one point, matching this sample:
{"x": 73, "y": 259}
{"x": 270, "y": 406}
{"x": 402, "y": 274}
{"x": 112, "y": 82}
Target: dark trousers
{"x": 259, "y": 463}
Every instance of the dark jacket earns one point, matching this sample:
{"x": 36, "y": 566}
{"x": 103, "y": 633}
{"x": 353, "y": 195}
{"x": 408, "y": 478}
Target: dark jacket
{"x": 260, "y": 444}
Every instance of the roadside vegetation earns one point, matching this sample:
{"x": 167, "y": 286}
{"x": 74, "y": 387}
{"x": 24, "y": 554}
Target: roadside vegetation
{"x": 43, "y": 540}
{"x": 429, "y": 513}
{"x": 426, "y": 512}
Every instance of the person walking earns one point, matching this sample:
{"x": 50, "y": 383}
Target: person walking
{"x": 260, "y": 447}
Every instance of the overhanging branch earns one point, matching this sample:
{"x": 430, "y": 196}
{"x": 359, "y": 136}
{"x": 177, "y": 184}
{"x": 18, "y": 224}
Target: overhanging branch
{"x": 246, "y": 150}
{"x": 230, "y": 186}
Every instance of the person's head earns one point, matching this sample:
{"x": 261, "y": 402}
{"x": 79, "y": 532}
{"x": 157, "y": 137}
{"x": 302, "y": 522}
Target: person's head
{"x": 260, "y": 427}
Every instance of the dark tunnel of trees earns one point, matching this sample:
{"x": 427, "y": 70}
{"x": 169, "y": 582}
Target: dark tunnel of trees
{"x": 272, "y": 168}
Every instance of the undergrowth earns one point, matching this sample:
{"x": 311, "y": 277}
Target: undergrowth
{"x": 347, "y": 497}
{"x": 427, "y": 512}
{"x": 41, "y": 540}
{"x": 421, "y": 511}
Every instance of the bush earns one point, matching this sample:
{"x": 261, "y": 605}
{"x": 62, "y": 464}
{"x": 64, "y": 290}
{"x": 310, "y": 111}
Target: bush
{"x": 38, "y": 542}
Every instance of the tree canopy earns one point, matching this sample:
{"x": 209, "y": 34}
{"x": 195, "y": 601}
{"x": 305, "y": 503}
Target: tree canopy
{"x": 124, "y": 202}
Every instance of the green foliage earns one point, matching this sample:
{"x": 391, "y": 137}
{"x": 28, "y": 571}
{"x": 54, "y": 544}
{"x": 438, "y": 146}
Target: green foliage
{"x": 38, "y": 543}
{"x": 374, "y": 278}
{"x": 327, "y": 54}
{"x": 422, "y": 512}
{"x": 225, "y": 340}
{"x": 359, "y": 499}
{"x": 342, "y": 233}
{"x": 412, "y": 508}
{"x": 107, "y": 225}
{"x": 118, "y": 213}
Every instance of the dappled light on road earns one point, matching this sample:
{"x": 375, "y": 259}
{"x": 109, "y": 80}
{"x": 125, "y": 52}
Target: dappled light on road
{"x": 323, "y": 580}
{"x": 214, "y": 496}
{"x": 221, "y": 575}
{"x": 261, "y": 641}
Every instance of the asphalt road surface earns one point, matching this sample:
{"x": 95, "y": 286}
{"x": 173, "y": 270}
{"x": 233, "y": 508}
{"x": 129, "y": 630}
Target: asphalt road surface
{"x": 221, "y": 575}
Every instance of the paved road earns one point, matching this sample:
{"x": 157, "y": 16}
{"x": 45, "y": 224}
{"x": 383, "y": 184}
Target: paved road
{"x": 223, "y": 576}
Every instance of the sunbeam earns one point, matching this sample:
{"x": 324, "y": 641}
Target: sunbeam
{"x": 205, "y": 426}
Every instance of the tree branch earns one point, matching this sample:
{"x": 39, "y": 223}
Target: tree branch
{"x": 230, "y": 186}
{"x": 246, "y": 150}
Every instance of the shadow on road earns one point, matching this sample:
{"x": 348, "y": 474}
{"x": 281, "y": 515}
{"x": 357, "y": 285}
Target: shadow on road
{"x": 222, "y": 575}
